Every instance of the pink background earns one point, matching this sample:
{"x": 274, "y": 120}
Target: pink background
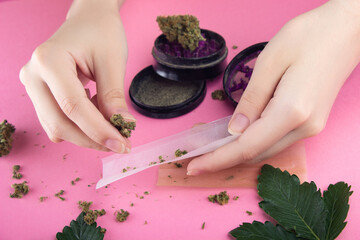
{"x": 332, "y": 156}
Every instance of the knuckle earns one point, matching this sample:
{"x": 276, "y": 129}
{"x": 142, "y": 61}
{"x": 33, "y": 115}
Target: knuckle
{"x": 70, "y": 106}
{"x": 314, "y": 127}
{"x": 251, "y": 99}
{"x": 298, "y": 112}
{"x": 42, "y": 54}
{"x": 54, "y": 132}
{"x": 24, "y": 75}
{"x": 114, "y": 94}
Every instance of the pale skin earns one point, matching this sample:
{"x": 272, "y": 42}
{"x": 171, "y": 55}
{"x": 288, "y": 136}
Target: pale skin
{"x": 294, "y": 84}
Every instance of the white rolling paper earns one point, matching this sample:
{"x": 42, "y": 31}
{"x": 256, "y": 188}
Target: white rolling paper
{"x": 196, "y": 141}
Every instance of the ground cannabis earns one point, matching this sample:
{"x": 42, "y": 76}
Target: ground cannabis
{"x": 146, "y": 193}
{"x": 183, "y": 29}
{"x": 249, "y": 213}
{"x": 6, "y": 130}
{"x": 221, "y": 198}
{"x": 42, "y": 198}
{"x": 122, "y": 126}
{"x": 59, "y": 194}
{"x": 179, "y": 153}
{"x": 20, "y": 189}
{"x": 230, "y": 177}
{"x": 121, "y": 215}
{"x": 16, "y": 173}
{"x": 90, "y": 215}
{"x": 218, "y": 95}
{"x": 178, "y": 165}
{"x": 75, "y": 180}
{"x": 203, "y": 225}
{"x": 234, "y": 47}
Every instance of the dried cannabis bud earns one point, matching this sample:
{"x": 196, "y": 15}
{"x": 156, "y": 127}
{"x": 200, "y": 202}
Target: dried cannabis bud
{"x": 20, "y": 189}
{"x": 123, "y": 126}
{"x": 16, "y": 173}
{"x": 6, "y": 130}
{"x": 179, "y": 153}
{"x": 121, "y": 215}
{"x": 218, "y": 95}
{"x": 221, "y": 198}
{"x": 183, "y": 29}
{"x": 90, "y": 215}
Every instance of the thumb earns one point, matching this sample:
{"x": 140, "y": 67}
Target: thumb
{"x": 109, "y": 75}
{"x": 266, "y": 75}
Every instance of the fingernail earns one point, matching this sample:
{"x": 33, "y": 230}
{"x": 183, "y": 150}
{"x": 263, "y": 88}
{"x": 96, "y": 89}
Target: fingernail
{"x": 194, "y": 172}
{"x": 126, "y": 115}
{"x": 115, "y": 145}
{"x": 238, "y": 124}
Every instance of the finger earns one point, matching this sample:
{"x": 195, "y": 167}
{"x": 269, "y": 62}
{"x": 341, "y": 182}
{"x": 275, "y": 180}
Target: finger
{"x": 60, "y": 75}
{"x": 276, "y": 122}
{"x": 109, "y": 74}
{"x": 56, "y": 125}
{"x": 269, "y": 68}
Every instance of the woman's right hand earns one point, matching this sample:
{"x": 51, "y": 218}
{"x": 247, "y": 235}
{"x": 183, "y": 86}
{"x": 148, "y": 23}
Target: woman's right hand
{"x": 91, "y": 44}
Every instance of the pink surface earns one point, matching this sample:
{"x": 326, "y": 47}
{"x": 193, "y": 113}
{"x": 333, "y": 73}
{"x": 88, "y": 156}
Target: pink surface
{"x": 332, "y": 156}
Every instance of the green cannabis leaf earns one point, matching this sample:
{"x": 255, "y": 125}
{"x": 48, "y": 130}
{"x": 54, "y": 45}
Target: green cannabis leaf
{"x": 336, "y": 200}
{"x": 261, "y": 231}
{"x": 298, "y": 208}
{"x": 79, "y": 230}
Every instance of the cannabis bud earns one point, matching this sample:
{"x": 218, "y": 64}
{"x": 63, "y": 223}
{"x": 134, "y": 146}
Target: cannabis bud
{"x": 183, "y": 29}
{"x": 221, "y": 198}
{"x": 6, "y": 130}
{"x": 218, "y": 95}
{"x": 123, "y": 126}
{"x": 20, "y": 189}
{"x": 121, "y": 215}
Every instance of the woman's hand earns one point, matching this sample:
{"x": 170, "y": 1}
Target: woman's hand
{"x": 293, "y": 87}
{"x": 91, "y": 44}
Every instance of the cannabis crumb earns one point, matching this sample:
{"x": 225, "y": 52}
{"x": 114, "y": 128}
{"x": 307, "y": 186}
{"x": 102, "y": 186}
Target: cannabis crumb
{"x": 121, "y": 215}
{"x": 178, "y": 165}
{"x": 169, "y": 176}
{"x": 141, "y": 197}
{"x": 203, "y": 226}
{"x": 6, "y": 131}
{"x": 249, "y": 213}
{"x": 235, "y": 198}
{"x": 20, "y": 189}
{"x": 179, "y": 153}
{"x": 42, "y": 198}
{"x": 145, "y": 222}
{"x": 64, "y": 156}
{"x": 75, "y": 180}
{"x": 16, "y": 173}
{"x": 146, "y": 193}
{"x": 229, "y": 178}
{"x": 59, "y": 195}
{"x": 161, "y": 159}
{"x": 234, "y": 47}
{"x": 124, "y": 170}
{"x": 131, "y": 204}
{"x": 122, "y": 126}
{"x": 152, "y": 163}
{"x": 218, "y": 95}
{"x": 221, "y": 198}
{"x": 103, "y": 230}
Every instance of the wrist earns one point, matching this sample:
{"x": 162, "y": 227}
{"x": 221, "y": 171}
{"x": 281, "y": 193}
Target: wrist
{"x": 91, "y": 6}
